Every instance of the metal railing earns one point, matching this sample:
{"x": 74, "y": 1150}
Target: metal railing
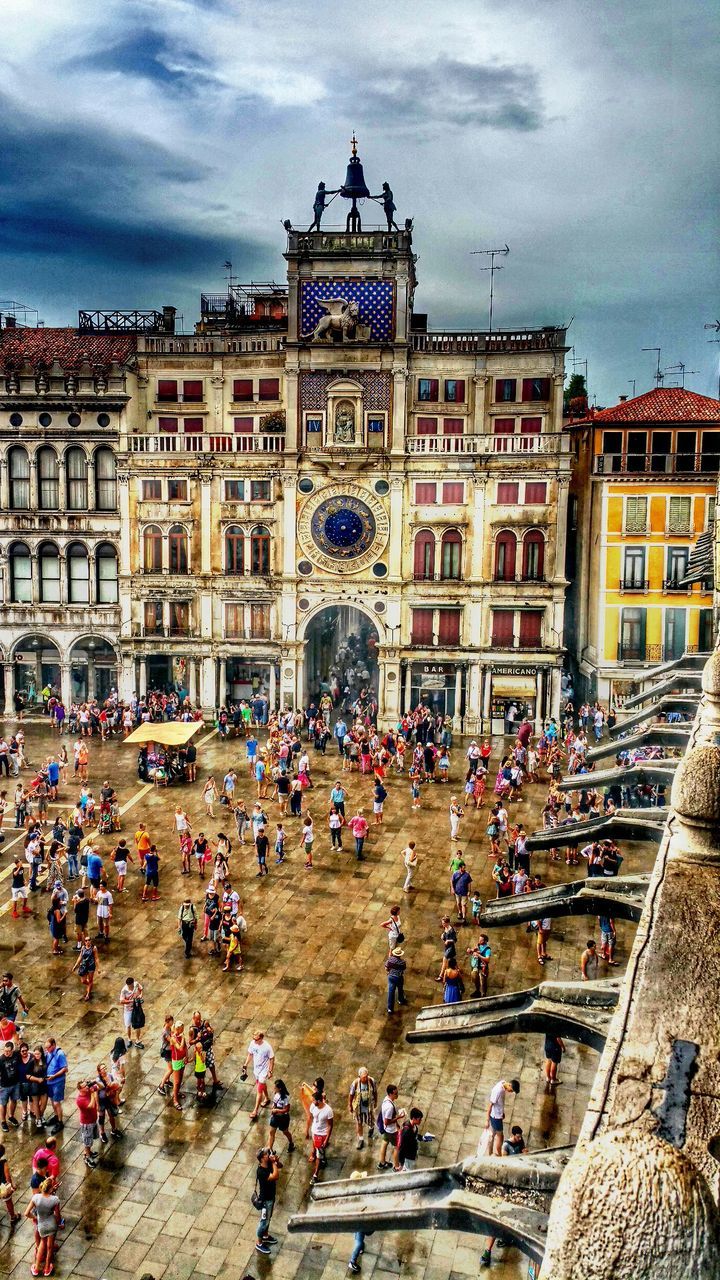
{"x": 674, "y": 584}
{"x": 659, "y": 463}
{"x": 633, "y": 653}
{"x": 207, "y": 444}
{"x": 632, "y": 584}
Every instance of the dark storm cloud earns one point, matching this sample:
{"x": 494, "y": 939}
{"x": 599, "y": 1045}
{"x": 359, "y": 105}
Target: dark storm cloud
{"x": 448, "y": 91}
{"x": 147, "y": 54}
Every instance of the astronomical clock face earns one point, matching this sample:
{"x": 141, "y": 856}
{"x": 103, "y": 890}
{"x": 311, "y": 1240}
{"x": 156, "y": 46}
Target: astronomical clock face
{"x": 343, "y": 528}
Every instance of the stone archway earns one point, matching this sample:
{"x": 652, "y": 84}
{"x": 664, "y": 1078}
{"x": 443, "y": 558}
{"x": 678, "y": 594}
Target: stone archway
{"x": 341, "y": 654}
{"x": 93, "y": 669}
{"x": 36, "y": 665}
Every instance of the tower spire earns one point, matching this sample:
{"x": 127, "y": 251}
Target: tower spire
{"x": 353, "y": 144}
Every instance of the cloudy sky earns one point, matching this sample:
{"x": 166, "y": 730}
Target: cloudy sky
{"x": 146, "y": 141}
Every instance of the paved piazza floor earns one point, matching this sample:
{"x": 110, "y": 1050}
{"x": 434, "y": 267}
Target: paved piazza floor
{"x": 173, "y": 1197}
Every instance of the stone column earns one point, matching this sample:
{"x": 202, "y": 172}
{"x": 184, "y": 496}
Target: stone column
{"x": 557, "y": 400}
{"x": 291, "y": 410}
{"x": 128, "y": 682}
{"x": 91, "y": 484}
{"x": 207, "y": 684}
{"x": 272, "y": 687}
{"x": 287, "y": 680}
{"x": 478, "y": 527}
{"x": 65, "y": 684}
{"x": 539, "y": 698}
{"x": 34, "y": 500}
{"x": 555, "y": 688}
{"x": 205, "y": 521}
{"x": 39, "y": 682}
{"x": 480, "y": 381}
{"x": 35, "y": 570}
{"x": 457, "y": 720}
{"x": 407, "y": 691}
{"x": 123, "y": 479}
{"x": 397, "y": 485}
{"x": 391, "y": 685}
{"x": 142, "y": 691}
{"x": 222, "y": 682}
{"x": 91, "y": 674}
{"x": 9, "y": 675}
{"x": 399, "y": 409}
{"x": 191, "y": 678}
{"x": 289, "y": 518}
{"x": 561, "y": 528}
{"x": 5, "y": 487}
{"x": 487, "y": 690}
{"x": 300, "y": 681}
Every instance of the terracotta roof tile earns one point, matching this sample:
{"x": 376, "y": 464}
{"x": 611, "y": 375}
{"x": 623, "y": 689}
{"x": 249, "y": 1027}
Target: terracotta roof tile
{"x": 663, "y": 404}
{"x": 70, "y": 348}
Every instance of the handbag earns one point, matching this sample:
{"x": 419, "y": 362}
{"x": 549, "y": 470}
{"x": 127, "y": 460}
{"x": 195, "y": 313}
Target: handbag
{"x": 256, "y": 1199}
{"x": 6, "y": 1190}
{"x": 137, "y": 1015}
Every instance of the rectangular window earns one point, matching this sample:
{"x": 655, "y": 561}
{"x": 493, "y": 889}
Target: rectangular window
{"x": 234, "y": 490}
{"x": 502, "y": 628}
{"x": 632, "y": 634}
{"x": 153, "y": 613}
{"x": 193, "y": 391}
{"x": 78, "y": 579}
{"x": 260, "y": 621}
{"x": 453, "y": 492}
{"x": 243, "y": 426}
{"x": 152, "y": 490}
{"x": 168, "y": 424}
{"x": 428, "y": 389}
{"x": 269, "y": 389}
{"x": 422, "y": 626}
{"x": 634, "y": 569}
{"x": 177, "y": 490}
{"x": 179, "y": 618}
{"x": 455, "y": 390}
{"x": 234, "y": 621}
{"x": 505, "y": 389}
{"x": 508, "y": 491}
{"x": 427, "y": 426}
{"x": 536, "y": 491}
{"x": 260, "y": 491}
{"x": 636, "y": 459}
{"x": 535, "y": 389}
{"x": 530, "y": 426}
{"x": 425, "y": 492}
{"x": 686, "y": 446}
{"x": 679, "y": 512}
{"x": 503, "y": 427}
{"x": 193, "y": 426}
{"x": 242, "y": 389}
{"x": 661, "y": 449}
{"x": 677, "y": 563}
{"x": 167, "y": 390}
{"x": 107, "y": 579}
{"x": 453, "y": 426}
{"x": 530, "y": 628}
{"x": 449, "y": 626}
{"x": 636, "y": 515}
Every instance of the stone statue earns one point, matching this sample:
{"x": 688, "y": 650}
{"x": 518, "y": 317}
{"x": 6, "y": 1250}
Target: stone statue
{"x": 342, "y": 316}
{"x": 388, "y": 205}
{"x": 345, "y": 424}
{"x": 319, "y": 205}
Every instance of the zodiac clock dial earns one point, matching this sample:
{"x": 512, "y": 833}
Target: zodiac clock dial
{"x": 343, "y": 528}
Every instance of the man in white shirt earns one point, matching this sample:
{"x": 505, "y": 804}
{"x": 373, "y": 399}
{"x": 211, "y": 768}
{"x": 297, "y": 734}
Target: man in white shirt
{"x": 322, "y": 1120}
{"x": 131, "y": 992}
{"x": 262, "y": 1055}
{"x": 496, "y": 1113}
{"x": 389, "y": 1116}
{"x": 410, "y": 860}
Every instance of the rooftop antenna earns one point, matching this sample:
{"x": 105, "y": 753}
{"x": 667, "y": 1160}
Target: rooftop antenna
{"x": 658, "y": 373}
{"x": 681, "y": 370}
{"x": 631, "y": 382}
{"x": 492, "y": 254}
{"x": 716, "y": 326}
{"x": 578, "y": 363}
{"x": 231, "y": 279}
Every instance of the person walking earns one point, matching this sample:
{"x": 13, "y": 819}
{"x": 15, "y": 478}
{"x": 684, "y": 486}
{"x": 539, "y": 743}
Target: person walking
{"x": 266, "y": 1177}
{"x": 187, "y": 924}
{"x": 152, "y": 875}
{"x": 262, "y": 1055}
{"x": 262, "y": 846}
{"x": 322, "y": 1119}
{"x": 57, "y": 1069}
{"x": 86, "y": 966}
{"x": 179, "y": 1054}
{"x": 496, "y": 1112}
{"x": 359, "y": 826}
{"x": 408, "y": 1143}
{"x": 480, "y": 964}
{"x": 387, "y": 1124}
{"x": 11, "y": 1070}
{"x": 335, "y": 823}
{"x": 131, "y": 1002}
{"x": 395, "y": 934}
{"x": 395, "y": 967}
{"x": 554, "y": 1049}
{"x": 87, "y": 1107}
{"x": 456, "y": 814}
{"x": 362, "y": 1103}
{"x": 44, "y": 1211}
{"x": 590, "y": 962}
{"x": 280, "y": 1116}
{"x": 461, "y": 881}
{"x": 8, "y": 1189}
{"x": 410, "y": 861}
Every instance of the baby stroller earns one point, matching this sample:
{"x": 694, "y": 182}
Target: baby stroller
{"x": 105, "y": 820}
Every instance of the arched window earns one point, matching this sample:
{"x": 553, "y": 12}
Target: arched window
{"x": 19, "y": 474}
{"x": 451, "y": 554}
{"x": 505, "y": 548}
{"x": 152, "y": 549}
{"x": 49, "y": 558}
{"x": 78, "y": 574}
{"x": 76, "y": 480}
{"x": 260, "y": 550}
{"x": 105, "y": 485}
{"x": 424, "y": 556}
{"x": 234, "y": 549}
{"x": 178, "y": 545}
{"x": 533, "y": 562}
{"x": 20, "y": 574}
{"x": 48, "y": 479}
{"x": 106, "y": 572}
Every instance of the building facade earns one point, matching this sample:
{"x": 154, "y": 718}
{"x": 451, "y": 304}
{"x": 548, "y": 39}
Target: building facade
{"x": 314, "y": 489}
{"x": 644, "y": 489}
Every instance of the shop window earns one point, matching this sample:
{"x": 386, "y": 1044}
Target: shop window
{"x": 152, "y": 490}
{"x": 260, "y": 550}
{"x": 531, "y": 628}
{"x": 453, "y": 493}
{"x": 428, "y": 389}
{"x": 193, "y": 391}
{"x": 679, "y": 513}
{"x": 234, "y": 550}
{"x": 536, "y": 491}
{"x": 242, "y": 389}
{"x": 453, "y": 426}
{"x": 49, "y": 557}
{"x": 533, "y": 566}
{"x": 105, "y": 482}
{"x": 234, "y": 621}
{"x": 78, "y": 574}
{"x": 106, "y": 571}
{"x": 269, "y": 389}
{"x": 153, "y": 618}
{"x": 502, "y": 628}
{"x": 508, "y": 491}
{"x": 19, "y": 473}
{"x": 76, "y": 480}
{"x": 425, "y": 492}
{"x": 535, "y": 389}
{"x": 178, "y": 549}
{"x": 449, "y": 626}
{"x": 505, "y": 390}
{"x": 234, "y": 491}
{"x": 424, "y": 556}
{"x": 177, "y": 490}
{"x": 152, "y": 549}
{"x": 260, "y": 491}
{"x": 167, "y": 391}
{"x": 169, "y": 425}
{"x": 422, "y": 626}
{"x": 636, "y": 515}
{"x": 48, "y": 480}
{"x": 505, "y": 553}
{"x": 455, "y": 390}
{"x": 427, "y": 426}
{"x": 179, "y": 618}
{"x": 260, "y": 621}
{"x": 451, "y": 554}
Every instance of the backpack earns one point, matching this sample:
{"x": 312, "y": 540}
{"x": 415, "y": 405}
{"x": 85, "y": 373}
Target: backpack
{"x": 380, "y": 1122}
{"x": 7, "y": 1005}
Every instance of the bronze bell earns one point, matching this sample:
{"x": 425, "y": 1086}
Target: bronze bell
{"x": 354, "y": 187}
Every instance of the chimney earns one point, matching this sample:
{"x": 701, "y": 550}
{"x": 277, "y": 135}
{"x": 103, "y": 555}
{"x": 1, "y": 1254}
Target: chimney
{"x": 169, "y": 319}
{"x": 10, "y": 322}
{"x": 622, "y": 399}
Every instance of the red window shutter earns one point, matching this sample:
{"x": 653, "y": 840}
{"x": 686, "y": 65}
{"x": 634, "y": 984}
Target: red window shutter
{"x": 427, "y": 426}
{"x": 269, "y": 389}
{"x": 502, "y": 628}
{"x": 460, "y": 391}
{"x": 503, "y": 426}
{"x": 508, "y": 491}
{"x": 530, "y": 628}
{"x": 453, "y": 426}
{"x": 449, "y": 626}
{"x": 243, "y": 389}
{"x": 193, "y": 426}
{"x": 544, "y": 388}
{"x": 167, "y": 390}
{"x": 535, "y": 389}
{"x": 533, "y": 564}
{"x": 422, "y": 620}
{"x": 453, "y": 491}
{"x": 193, "y": 391}
{"x": 505, "y": 549}
{"x": 535, "y": 491}
{"x": 168, "y": 424}
{"x": 424, "y": 556}
{"x": 434, "y": 388}
{"x": 530, "y": 426}
{"x": 426, "y": 492}
{"x": 243, "y": 426}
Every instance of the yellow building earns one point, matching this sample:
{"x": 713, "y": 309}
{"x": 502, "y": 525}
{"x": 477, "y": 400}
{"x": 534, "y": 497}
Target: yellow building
{"x": 644, "y": 489}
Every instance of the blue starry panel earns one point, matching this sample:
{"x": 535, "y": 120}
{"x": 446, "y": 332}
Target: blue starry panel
{"x": 375, "y": 299}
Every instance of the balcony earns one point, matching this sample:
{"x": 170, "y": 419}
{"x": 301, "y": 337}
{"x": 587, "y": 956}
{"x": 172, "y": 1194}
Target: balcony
{"x": 436, "y": 577}
{"x": 633, "y": 585}
{"x": 488, "y": 445}
{"x": 189, "y": 444}
{"x": 472, "y": 341}
{"x": 673, "y": 584}
{"x": 631, "y": 464}
{"x": 642, "y": 656}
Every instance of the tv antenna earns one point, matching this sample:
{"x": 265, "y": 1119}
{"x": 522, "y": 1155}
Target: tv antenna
{"x": 631, "y": 382}
{"x": 231, "y": 279}
{"x": 680, "y": 370}
{"x": 658, "y": 372}
{"x": 492, "y": 254}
